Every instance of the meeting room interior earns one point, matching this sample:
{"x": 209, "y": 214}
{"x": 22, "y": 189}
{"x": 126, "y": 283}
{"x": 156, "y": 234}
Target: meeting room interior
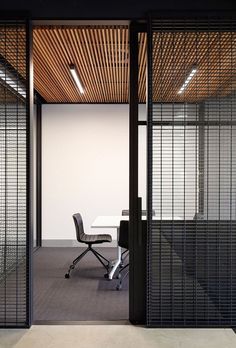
{"x": 81, "y": 79}
{"x": 133, "y": 173}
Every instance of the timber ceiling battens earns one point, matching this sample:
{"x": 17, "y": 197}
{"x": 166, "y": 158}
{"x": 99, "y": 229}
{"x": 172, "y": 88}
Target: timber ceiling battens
{"x": 100, "y": 53}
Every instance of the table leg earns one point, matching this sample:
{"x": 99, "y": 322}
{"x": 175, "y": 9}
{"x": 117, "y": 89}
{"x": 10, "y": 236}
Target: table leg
{"x": 117, "y": 261}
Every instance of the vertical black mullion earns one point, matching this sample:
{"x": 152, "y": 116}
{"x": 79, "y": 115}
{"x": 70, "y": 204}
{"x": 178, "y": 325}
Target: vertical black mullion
{"x": 185, "y": 71}
{"x": 39, "y": 174}
{"x": 29, "y": 209}
{"x": 17, "y": 165}
{"x": 184, "y": 232}
{"x": 5, "y": 207}
{"x": 149, "y": 171}
{"x": 231, "y": 164}
{"x": 133, "y": 184}
{"x": 161, "y": 189}
{"x": 206, "y": 186}
{"x": 196, "y": 181}
{"x": 184, "y": 229}
{"x": 173, "y": 193}
{"x": 137, "y": 254}
{"x": 184, "y": 212}
{"x": 219, "y": 183}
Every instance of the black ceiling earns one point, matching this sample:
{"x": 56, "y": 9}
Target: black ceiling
{"x": 107, "y": 9}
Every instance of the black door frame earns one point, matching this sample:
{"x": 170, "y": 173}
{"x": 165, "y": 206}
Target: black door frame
{"x": 137, "y": 242}
{"x": 137, "y": 231}
{"x": 30, "y": 97}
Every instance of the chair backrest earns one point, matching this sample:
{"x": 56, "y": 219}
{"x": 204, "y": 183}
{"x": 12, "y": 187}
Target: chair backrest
{"x": 144, "y": 212}
{"x": 79, "y": 227}
{"x": 123, "y": 240}
{"x": 124, "y": 234}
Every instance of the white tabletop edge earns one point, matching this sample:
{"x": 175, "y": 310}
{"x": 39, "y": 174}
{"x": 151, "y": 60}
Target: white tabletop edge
{"x": 108, "y": 221}
{"x": 113, "y": 221}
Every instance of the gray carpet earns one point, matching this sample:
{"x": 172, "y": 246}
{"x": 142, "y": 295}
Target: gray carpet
{"x": 87, "y": 295}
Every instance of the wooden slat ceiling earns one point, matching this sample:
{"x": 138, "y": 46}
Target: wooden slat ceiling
{"x": 101, "y": 56}
{"x": 12, "y": 58}
{"x": 176, "y": 53}
{"x": 13, "y": 47}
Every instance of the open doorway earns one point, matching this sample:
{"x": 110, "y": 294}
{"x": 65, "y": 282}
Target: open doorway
{"x": 84, "y": 156}
{"x": 191, "y": 177}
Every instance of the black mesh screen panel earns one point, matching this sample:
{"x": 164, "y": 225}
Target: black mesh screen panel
{"x": 192, "y": 172}
{"x": 13, "y": 175}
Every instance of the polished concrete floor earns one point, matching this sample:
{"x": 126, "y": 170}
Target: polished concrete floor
{"x": 100, "y": 336}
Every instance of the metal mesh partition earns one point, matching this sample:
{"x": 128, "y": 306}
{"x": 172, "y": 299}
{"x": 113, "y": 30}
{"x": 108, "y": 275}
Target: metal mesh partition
{"x": 192, "y": 173}
{"x": 14, "y": 130}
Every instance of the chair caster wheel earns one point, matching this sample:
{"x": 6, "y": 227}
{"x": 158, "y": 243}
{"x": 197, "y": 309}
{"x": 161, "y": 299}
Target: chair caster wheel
{"x": 67, "y": 276}
{"x": 118, "y": 287}
{"x": 106, "y": 275}
{"x": 118, "y": 276}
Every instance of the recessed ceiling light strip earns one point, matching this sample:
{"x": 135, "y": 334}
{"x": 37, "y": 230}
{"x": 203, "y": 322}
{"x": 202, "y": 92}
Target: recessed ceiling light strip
{"x": 12, "y": 82}
{"x": 76, "y": 78}
{"x": 189, "y": 78}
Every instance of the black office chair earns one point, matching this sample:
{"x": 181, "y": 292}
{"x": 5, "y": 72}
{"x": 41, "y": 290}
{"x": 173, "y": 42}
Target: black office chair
{"x": 88, "y": 239}
{"x": 123, "y": 242}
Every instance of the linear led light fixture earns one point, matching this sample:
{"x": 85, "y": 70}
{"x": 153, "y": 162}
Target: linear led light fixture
{"x": 10, "y": 81}
{"x": 189, "y": 78}
{"x": 76, "y": 78}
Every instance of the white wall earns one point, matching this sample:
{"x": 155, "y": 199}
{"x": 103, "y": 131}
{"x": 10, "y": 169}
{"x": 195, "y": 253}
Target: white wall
{"x": 85, "y": 166}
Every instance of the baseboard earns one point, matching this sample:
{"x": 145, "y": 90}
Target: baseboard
{"x": 80, "y": 322}
{"x": 72, "y": 243}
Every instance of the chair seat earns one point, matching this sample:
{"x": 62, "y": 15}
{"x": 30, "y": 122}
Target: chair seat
{"x": 96, "y": 238}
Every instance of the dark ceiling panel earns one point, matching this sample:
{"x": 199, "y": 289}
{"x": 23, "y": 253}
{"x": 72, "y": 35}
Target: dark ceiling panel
{"x": 105, "y": 9}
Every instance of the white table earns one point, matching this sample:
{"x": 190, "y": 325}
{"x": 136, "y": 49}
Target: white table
{"x": 114, "y": 222}
{"x": 111, "y": 222}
